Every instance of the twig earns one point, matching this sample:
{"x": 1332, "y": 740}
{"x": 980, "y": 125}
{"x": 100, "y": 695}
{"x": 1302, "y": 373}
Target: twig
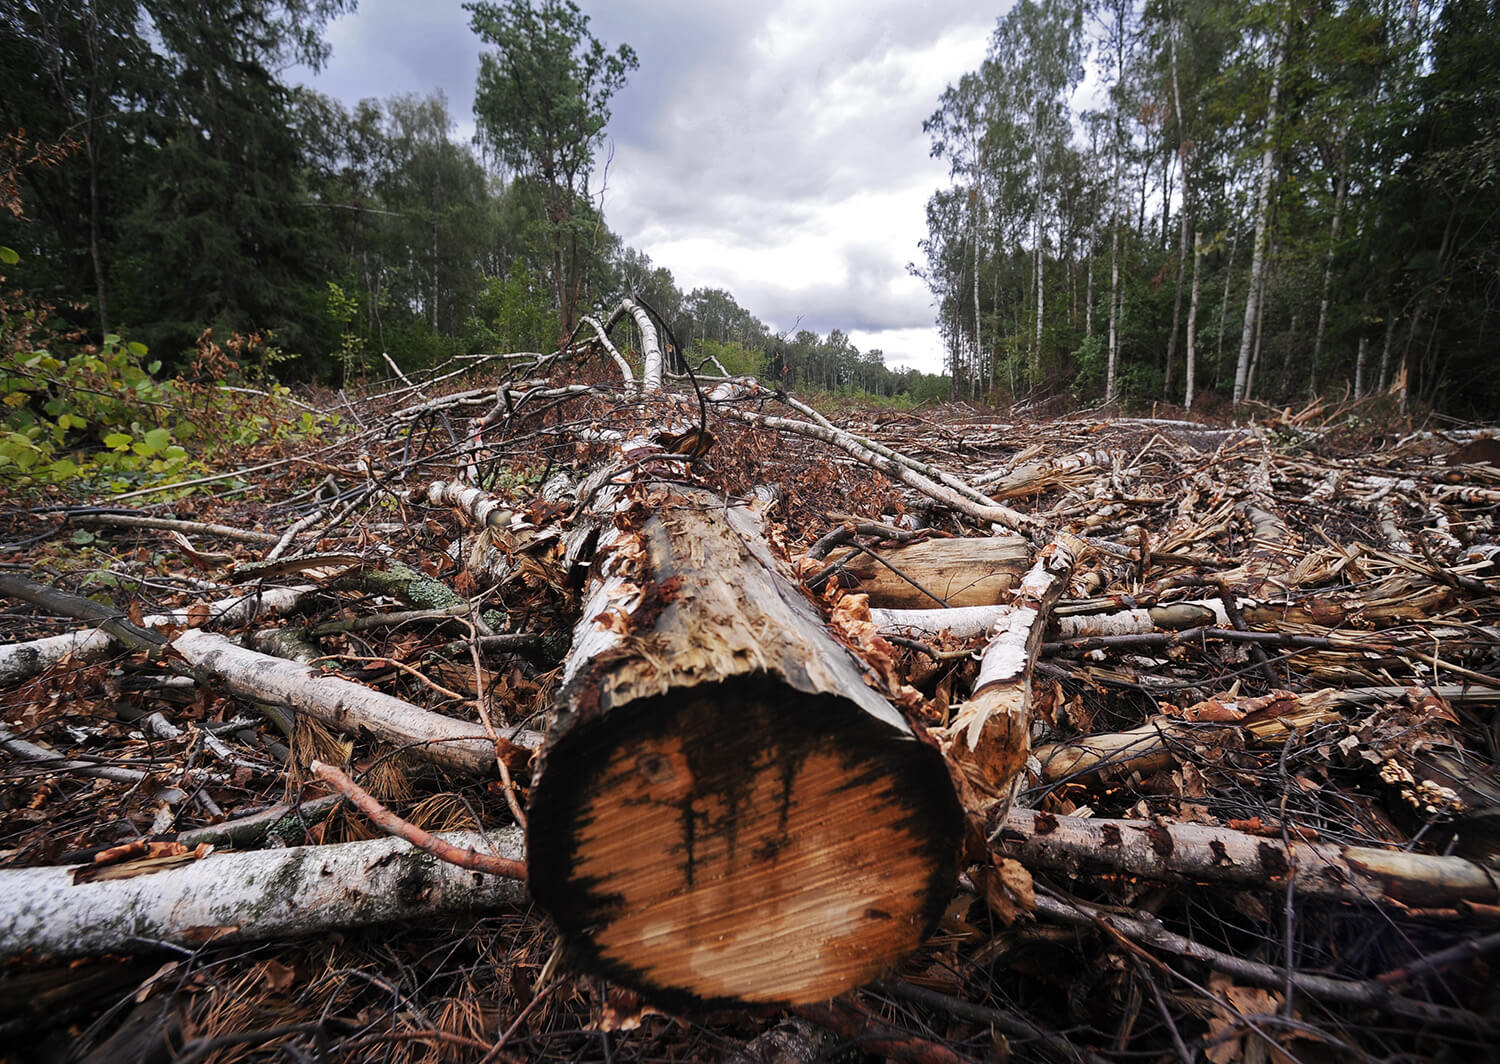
{"x": 392, "y": 824}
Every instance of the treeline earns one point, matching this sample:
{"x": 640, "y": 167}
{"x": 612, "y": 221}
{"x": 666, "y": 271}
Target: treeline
{"x": 1174, "y": 198}
{"x": 167, "y": 180}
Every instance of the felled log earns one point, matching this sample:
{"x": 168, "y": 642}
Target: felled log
{"x": 989, "y": 737}
{"x": 1209, "y": 854}
{"x": 460, "y": 745}
{"x": 724, "y": 810}
{"x": 974, "y": 571}
{"x": 20, "y": 661}
{"x": 250, "y": 896}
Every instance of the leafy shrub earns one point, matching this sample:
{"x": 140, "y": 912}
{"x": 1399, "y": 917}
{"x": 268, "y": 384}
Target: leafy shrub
{"x": 97, "y": 418}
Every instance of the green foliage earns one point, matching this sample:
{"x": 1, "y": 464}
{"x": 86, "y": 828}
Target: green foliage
{"x": 512, "y": 313}
{"x": 1091, "y": 358}
{"x": 343, "y": 309}
{"x": 96, "y": 418}
{"x": 543, "y": 101}
{"x": 734, "y": 356}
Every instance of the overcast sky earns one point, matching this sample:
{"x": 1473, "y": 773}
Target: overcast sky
{"x": 775, "y": 150}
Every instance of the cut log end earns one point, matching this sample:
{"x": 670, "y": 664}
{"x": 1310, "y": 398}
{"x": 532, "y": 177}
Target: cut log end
{"x": 742, "y": 843}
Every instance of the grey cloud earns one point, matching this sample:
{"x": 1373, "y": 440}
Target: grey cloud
{"x": 726, "y": 136}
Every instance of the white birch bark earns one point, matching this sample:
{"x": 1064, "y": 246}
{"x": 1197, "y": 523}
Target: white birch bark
{"x": 1333, "y": 239}
{"x": 348, "y": 706}
{"x": 252, "y": 896}
{"x": 1182, "y": 216}
{"x": 1358, "y": 874}
{"x": 1192, "y": 323}
{"x": 1262, "y": 218}
{"x": 21, "y": 661}
{"x": 614, "y": 353}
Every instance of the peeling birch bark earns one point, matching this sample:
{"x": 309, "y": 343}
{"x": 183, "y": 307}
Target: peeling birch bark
{"x": 484, "y": 509}
{"x": 651, "y": 368}
{"x": 603, "y": 336}
{"x": 1209, "y": 854}
{"x": 961, "y": 622}
{"x": 248, "y": 897}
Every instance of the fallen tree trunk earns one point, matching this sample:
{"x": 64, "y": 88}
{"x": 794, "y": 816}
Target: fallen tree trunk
{"x": 1210, "y": 854}
{"x": 348, "y": 706}
{"x": 20, "y": 661}
{"x": 989, "y": 737}
{"x": 971, "y": 571}
{"x": 724, "y": 810}
{"x": 250, "y": 896}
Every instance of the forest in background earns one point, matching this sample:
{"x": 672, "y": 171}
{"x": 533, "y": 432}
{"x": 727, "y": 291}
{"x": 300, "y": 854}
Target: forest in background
{"x": 1177, "y": 198}
{"x": 1300, "y": 195}
{"x": 168, "y": 179}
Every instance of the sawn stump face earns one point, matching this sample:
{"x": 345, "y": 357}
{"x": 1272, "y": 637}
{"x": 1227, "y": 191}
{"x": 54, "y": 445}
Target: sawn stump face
{"x": 743, "y": 843}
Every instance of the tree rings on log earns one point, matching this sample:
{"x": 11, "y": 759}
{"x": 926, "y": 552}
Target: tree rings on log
{"x": 725, "y": 813}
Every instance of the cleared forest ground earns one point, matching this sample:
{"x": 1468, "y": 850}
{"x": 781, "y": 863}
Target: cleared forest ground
{"x": 1259, "y": 819}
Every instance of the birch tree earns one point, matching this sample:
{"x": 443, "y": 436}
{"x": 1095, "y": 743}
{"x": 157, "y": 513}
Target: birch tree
{"x": 1262, "y": 215}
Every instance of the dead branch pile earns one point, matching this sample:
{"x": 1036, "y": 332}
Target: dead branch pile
{"x": 1217, "y": 702}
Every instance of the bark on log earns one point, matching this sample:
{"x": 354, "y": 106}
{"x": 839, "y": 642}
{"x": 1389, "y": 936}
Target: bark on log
{"x": 455, "y": 744}
{"x": 724, "y": 810}
{"x": 1219, "y": 855}
{"x": 989, "y": 737}
{"x": 21, "y": 661}
{"x": 249, "y": 896}
{"x": 974, "y": 571}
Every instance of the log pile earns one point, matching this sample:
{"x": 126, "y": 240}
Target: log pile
{"x": 1078, "y": 738}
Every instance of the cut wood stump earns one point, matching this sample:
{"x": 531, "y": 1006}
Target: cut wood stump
{"x": 724, "y": 811}
{"x": 976, "y": 571}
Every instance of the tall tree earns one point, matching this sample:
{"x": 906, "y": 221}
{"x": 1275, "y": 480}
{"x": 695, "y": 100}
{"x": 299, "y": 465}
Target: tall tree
{"x": 1262, "y": 216}
{"x": 542, "y": 102}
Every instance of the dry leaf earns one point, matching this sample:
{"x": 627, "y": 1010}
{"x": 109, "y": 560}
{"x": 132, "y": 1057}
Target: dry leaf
{"x": 278, "y": 976}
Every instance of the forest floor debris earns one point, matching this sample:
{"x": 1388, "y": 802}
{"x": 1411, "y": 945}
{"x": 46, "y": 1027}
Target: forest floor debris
{"x": 1277, "y": 648}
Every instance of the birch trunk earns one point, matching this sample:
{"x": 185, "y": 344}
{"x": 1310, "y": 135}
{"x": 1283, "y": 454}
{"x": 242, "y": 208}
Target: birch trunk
{"x": 1385, "y": 349}
{"x": 1202, "y": 853}
{"x": 1262, "y": 217}
{"x": 1192, "y": 323}
{"x": 249, "y": 897}
{"x": 1114, "y": 315}
{"x": 1182, "y": 216}
{"x": 20, "y": 661}
{"x": 1333, "y": 239}
{"x": 348, "y": 706}
{"x": 978, "y": 339}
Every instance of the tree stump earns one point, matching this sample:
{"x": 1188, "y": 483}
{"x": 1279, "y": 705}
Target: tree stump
{"x": 724, "y": 811}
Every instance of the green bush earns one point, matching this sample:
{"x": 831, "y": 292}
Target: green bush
{"x": 95, "y": 418}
